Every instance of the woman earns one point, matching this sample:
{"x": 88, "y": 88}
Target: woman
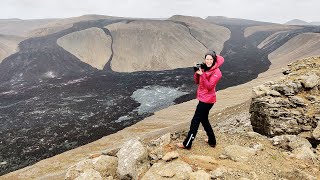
{"x": 207, "y": 77}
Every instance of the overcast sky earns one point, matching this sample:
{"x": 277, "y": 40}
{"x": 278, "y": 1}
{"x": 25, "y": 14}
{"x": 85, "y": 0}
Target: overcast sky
{"x": 278, "y": 11}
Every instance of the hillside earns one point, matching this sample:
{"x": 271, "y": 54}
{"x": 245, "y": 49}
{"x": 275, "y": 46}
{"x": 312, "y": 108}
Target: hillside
{"x": 91, "y": 46}
{"x": 211, "y": 35}
{"x": 153, "y": 46}
{"x": 8, "y": 45}
{"x": 301, "y": 46}
{"x": 42, "y": 27}
{"x": 273, "y": 28}
{"x": 235, "y": 21}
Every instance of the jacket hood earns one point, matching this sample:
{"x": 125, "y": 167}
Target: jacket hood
{"x": 219, "y": 62}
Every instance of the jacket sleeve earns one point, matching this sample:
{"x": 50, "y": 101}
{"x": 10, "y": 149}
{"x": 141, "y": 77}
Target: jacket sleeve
{"x": 220, "y": 61}
{"x": 210, "y": 82}
{"x": 196, "y": 78}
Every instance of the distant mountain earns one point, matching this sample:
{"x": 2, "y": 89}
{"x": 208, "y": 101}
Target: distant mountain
{"x": 303, "y": 23}
{"x": 234, "y": 21}
{"x": 297, "y": 22}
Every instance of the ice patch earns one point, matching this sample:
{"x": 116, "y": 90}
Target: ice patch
{"x": 154, "y": 98}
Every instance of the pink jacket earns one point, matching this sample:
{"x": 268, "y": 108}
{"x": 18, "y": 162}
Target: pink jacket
{"x": 207, "y": 82}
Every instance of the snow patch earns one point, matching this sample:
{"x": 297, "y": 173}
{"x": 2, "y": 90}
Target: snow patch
{"x": 154, "y": 98}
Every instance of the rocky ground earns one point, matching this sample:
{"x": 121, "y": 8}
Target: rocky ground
{"x": 239, "y": 154}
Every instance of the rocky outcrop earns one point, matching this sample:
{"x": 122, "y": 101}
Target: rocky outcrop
{"x": 290, "y": 105}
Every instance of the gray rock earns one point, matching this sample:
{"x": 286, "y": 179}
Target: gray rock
{"x": 75, "y": 170}
{"x": 296, "y": 174}
{"x": 238, "y": 153}
{"x": 203, "y": 159}
{"x": 290, "y": 142}
{"x": 170, "y": 156}
{"x": 168, "y": 170}
{"x": 89, "y": 174}
{"x": 132, "y": 160}
{"x": 162, "y": 141}
{"x": 316, "y": 132}
{"x": 200, "y": 175}
{"x": 304, "y": 153}
{"x": 284, "y": 89}
{"x": 105, "y": 165}
{"x": 259, "y": 91}
{"x": 255, "y": 135}
{"x": 218, "y": 173}
{"x": 297, "y": 100}
{"x": 310, "y": 80}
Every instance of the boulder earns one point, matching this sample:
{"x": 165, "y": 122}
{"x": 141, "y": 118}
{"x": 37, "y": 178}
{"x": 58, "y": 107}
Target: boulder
{"x": 104, "y": 165}
{"x": 310, "y": 80}
{"x": 156, "y": 147}
{"x": 290, "y": 142}
{"x": 176, "y": 169}
{"x": 89, "y": 174}
{"x": 75, "y": 170}
{"x": 238, "y": 153}
{"x": 200, "y": 175}
{"x": 316, "y": 132}
{"x": 133, "y": 160}
{"x": 170, "y": 156}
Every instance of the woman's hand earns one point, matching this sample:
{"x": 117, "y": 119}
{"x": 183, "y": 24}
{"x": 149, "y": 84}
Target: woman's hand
{"x": 199, "y": 72}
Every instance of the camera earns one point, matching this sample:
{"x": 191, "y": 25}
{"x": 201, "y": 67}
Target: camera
{"x": 197, "y": 66}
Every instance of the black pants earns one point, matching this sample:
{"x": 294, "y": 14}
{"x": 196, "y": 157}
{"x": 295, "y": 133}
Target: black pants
{"x": 201, "y": 115}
